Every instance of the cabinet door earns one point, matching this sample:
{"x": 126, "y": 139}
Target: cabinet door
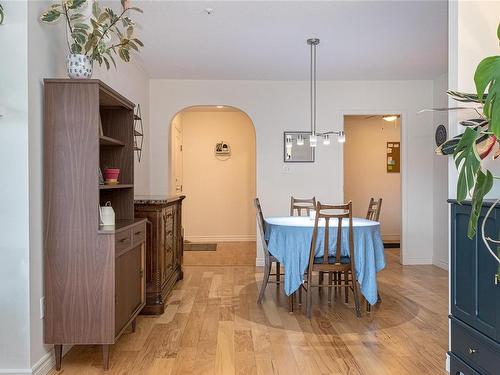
{"x": 475, "y": 295}
{"x": 166, "y": 244}
{"x": 129, "y": 286}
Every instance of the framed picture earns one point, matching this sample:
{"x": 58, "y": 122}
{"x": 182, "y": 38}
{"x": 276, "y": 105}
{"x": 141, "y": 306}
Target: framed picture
{"x": 294, "y": 152}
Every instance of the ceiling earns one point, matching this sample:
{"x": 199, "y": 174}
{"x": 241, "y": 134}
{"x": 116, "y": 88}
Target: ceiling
{"x": 259, "y": 40}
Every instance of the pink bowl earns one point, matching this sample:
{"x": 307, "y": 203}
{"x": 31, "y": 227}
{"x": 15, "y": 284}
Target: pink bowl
{"x": 111, "y": 173}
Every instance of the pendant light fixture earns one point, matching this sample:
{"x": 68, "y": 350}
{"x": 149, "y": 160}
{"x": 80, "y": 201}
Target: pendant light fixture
{"x": 313, "y": 137}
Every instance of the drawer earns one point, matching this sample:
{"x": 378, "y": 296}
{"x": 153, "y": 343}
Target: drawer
{"x": 139, "y": 234}
{"x": 459, "y": 367}
{"x": 479, "y": 351}
{"x": 123, "y": 240}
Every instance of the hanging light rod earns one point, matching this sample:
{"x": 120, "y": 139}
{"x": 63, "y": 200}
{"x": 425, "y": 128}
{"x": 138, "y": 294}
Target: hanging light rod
{"x": 313, "y": 138}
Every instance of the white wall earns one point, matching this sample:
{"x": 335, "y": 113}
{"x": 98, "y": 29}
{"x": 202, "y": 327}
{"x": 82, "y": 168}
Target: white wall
{"x": 440, "y": 178}
{"x": 276, "y": 106}
{"x": 472, "y": 37}
{"x": 47, "y": 51}
{"x": 365, "y": 171}
{"x": 14, "y": 215}
{"x": 219, "y": 193}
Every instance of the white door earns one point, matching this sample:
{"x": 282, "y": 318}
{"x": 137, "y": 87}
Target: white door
{"x": 177, "y": 156}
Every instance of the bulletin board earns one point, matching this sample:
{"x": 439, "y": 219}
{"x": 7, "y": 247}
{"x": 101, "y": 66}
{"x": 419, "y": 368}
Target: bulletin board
{"x": 393, "y": 161}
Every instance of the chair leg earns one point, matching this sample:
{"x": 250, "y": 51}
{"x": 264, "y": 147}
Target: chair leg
{"x": 290, "y": 302}
{"x": 278, "y": 275}
{"x": 308, "y": 302}
{"x": 300, "y": 295}
{"x": 320, "y": 282}
{"x": 346, "y": 283}
{"x": 368, "y": 306}
{"x": 356, "y": 296}
{"x": 330, "y": 285}
{"x": 265, "y": 280}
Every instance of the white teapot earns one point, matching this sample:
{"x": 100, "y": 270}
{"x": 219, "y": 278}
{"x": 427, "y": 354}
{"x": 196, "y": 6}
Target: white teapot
{"x": 107, "y": 215}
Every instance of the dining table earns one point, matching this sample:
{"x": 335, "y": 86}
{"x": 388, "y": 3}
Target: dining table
{"x": 289, "y": 241}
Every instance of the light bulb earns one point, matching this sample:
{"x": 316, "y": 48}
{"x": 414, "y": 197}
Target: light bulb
{"x": 326, "y": 139}
{"x": 313, "y": 140}
{"x": 300, "y": 140}
{"x": 341, "y": 138}
{"x": 390, "y": 118}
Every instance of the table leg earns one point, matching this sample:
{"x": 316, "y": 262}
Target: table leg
{"x": 290, "y": 302}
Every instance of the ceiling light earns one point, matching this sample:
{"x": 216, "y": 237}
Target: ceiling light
{"x": 209, "y": 11}
{"x": 326, "y": 139}
{"x": 390, "y": 118}
{"x": 300, "y": 140}
{"x": 220, "y": 106}
{"x": 341, "y": 138}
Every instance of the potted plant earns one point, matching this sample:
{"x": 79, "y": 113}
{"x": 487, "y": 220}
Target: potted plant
{"x": 1, "y": 14}
{"x": 98, "y": 36}
{"x": 476, "y": 149}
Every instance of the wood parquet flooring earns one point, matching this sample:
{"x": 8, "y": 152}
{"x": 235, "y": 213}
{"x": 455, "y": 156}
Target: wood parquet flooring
{"x": 213, "y": 325}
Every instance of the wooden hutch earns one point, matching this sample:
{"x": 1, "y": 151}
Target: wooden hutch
{"x": 94, "y": 277}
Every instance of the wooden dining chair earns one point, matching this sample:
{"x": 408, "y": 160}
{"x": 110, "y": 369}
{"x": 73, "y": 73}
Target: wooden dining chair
{"x": 299, "y": 204}
{"x": 337, "y": 264}
{"x": 374, "y": 208}
{"x": 268, "y": 258}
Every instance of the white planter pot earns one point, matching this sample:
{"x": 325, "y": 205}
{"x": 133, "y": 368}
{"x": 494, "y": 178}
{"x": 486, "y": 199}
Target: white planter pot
{"x": 79, "y": 66}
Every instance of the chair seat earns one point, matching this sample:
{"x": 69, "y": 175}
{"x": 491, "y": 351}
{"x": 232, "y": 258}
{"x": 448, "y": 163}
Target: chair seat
{"x": 331, "y": 260}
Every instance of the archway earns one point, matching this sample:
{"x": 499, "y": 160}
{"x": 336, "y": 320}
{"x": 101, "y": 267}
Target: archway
{"x": 213, "y": 163}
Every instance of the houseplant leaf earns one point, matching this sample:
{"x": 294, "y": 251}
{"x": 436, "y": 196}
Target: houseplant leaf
{"x": 467, "y": 162}
{"x": 50, "y": 16}
{"x": 487, "y": 77}
{"x": 484, "y": 183}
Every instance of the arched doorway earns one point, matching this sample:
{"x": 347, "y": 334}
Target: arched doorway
{"x": 213, "y": 163}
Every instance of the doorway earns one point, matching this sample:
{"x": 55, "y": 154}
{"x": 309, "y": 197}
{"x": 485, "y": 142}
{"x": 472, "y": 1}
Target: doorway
{"x": 373, "y": 169}
{"x": 213, "y": 163}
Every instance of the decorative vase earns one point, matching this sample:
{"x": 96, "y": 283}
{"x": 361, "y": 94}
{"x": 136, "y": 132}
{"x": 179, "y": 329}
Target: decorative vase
{"x": 79, "y": 66}
{"x": 111, "y": 175}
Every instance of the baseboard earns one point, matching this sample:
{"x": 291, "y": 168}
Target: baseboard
{"x": 391, "y": 238}
{"x": 259, "y": 262}
{"x": 417, "y": 261}
{"x": 47, "y": 362}
{"x": 233, "y": 238}
{"x": 15, "y": 371}
{"x": 447, "y": 363}
{"x": 440, "y": 264}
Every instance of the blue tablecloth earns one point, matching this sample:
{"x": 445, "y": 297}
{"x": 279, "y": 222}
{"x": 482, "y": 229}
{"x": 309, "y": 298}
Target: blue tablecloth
{"x": 289, "y": 240}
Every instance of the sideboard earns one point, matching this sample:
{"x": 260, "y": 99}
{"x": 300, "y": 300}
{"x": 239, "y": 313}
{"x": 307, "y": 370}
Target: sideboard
{"x": 475, "y": 295}
{"x": 164, "y": 247}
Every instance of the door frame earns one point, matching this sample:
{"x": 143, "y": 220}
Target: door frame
{"x": 403, "y": 174}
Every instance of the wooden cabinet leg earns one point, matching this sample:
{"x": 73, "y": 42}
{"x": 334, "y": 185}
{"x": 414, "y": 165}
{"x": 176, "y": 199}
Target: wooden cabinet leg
{"x": 58, "y": 355}
{"x": 105, "y": 357}
{"x": 134, "y": 325}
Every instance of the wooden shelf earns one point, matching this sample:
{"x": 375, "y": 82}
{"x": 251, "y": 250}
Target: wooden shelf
{"x": 117, "y": 186}
{"x": 108, "y": 141}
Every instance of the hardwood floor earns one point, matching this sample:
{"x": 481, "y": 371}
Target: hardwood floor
{"x": 213, "y": 325}
{"x": 227, "y": 254}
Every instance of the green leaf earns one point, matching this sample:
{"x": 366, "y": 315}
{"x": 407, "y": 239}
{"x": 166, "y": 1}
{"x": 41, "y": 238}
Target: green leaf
{"x": 77, "y": 4}
{"x": 76, "y": 48}
{"x": 498, "y": 32}
{"x": 111, "y": 58}
{"x": 76, "y": 16}
{"x": 133, "y": 45}
{"x": 50, "y": 16}
{"x": 96, "y": 11}
{"x": 106, "y": 62}
{"x": 136, "y": 9}
{"x": 82, "y": 26}
{"x": 467, "y": 162}
{"x": 130, "y": 31}
{"x": 1, "y": 14}
{"x": 103, "y": 17}
{"x": 124, "y": 54}
{"x": 487, "y": 76}
{"x": 484, "y": 183}
{"x": 78, "y": 37}
{"x": 138, "y": 42}
{"x": 464, "y": 97}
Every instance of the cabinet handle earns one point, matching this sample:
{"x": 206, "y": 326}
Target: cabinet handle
{"x": 124, "y": 240}
{"x": 472, "y": 351}
{"x": 137, "y": 233}
{"x": 141, "y": 273}
{"x": 497, "y": 279}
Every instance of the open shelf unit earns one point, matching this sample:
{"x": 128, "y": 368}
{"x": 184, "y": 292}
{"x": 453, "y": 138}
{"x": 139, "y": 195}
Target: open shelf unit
{"x": 93, "y": 278}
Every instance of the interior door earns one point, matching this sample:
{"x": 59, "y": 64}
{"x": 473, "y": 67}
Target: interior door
{"x": 177, "y": 158}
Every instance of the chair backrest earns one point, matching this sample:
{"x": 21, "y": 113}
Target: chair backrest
{"x": 299, "y": 204}
{"x": 342, "y": 211}
{"x": 374, "y": 208}
{"x": 262, "y": 226}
